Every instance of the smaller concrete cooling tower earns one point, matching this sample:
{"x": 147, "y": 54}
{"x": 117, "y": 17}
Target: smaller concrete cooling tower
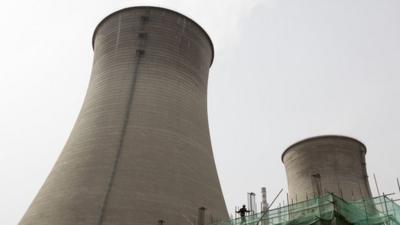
{"x": 322, "y": 164}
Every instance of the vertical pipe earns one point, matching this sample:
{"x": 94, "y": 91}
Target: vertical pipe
{"x": 384, "y": 200}
{"x": 201, "y": 217}
{"x": 279, "y": 213}
{"x": 398, "y": 184}
{"x": 252, "y": 203}
{"x": 288, "y": 205}
{"x": 248, "y": 201}
{"x": 264, "y": 205}
{"x": 287, "y": 198}
{"x": 376, "y": 185}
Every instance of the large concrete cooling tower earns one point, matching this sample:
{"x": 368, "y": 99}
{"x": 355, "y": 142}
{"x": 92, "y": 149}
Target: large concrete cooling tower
{"x": 140, "y": 150}
{"x": 324, "y": 164}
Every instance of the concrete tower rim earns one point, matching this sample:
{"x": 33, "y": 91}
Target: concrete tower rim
{"x": 322, "y": 137}
{"x": 159, "y": 8}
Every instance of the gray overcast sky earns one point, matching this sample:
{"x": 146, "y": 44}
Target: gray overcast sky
{"x": 283, "y": 71}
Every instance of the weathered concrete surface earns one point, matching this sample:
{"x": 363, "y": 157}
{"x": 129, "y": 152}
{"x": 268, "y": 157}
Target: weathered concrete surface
{"x": 324, "y": 164}
{"x": 140, "y": 150}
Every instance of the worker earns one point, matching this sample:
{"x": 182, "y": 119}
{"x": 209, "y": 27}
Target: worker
{"x": 242, "y": 212}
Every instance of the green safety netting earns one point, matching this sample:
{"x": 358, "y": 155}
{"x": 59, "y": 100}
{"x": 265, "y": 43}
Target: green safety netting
{"x": 328, "y": 209}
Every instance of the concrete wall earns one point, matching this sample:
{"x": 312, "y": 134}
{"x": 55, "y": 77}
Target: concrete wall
{"x": 326, "y": 164}
{"x": 140, "y": 150}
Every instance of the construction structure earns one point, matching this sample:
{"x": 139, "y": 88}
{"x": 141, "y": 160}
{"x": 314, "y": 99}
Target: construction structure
{"x": 140, "y": 151}
{"x": 328, "y": 209}
{"x": 328, "y": 185}
{"x": 326, "y": 164}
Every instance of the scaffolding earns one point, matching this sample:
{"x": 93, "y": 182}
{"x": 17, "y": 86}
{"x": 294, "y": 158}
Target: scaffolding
{"x": 328, "y": 209}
